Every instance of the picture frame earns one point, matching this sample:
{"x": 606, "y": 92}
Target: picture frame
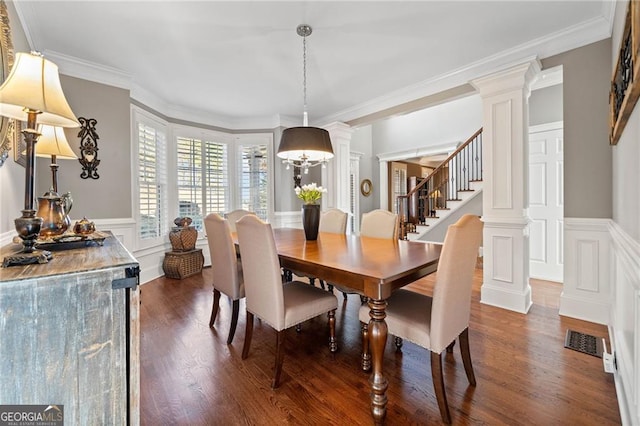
{"x": 625, "y": 87}
{"x": 366, "y": 187}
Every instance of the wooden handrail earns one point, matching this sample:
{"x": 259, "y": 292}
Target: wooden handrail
{"x": 442, "y": 165}
{"x": 460, "y": 176}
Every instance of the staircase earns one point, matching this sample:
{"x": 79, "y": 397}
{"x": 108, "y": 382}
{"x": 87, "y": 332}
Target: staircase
{"x": 455, "y": 182}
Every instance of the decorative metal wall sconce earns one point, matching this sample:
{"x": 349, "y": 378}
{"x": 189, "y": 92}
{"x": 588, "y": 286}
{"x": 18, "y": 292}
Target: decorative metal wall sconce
{"x": 89, "y": 148}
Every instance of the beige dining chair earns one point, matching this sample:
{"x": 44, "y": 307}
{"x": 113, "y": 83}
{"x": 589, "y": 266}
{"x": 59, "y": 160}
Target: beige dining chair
{"x": 280, "y": 305}
{"x": 379, "y": 224}
{"x": 226, "y": 268}
{"x": 374, "y": 224}
{"x": 333, "y": 221}
{"x": 435, "y": 322}
{"x": 234, "y": 216}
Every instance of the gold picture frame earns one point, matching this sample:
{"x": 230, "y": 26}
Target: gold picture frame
{"x": 625, "y": 88}
{"x": 6, "y": 62}
{"x": 366, "y": 187}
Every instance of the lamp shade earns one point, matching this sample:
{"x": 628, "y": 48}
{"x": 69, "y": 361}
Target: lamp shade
{"x": 53, "y": 141}
{"x": 305, "y": 143}
{"x": 34, "y": 84}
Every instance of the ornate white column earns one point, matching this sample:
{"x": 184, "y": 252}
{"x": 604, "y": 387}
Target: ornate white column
{"x": 505, "y": 97}
{"x": 336, "y": 176}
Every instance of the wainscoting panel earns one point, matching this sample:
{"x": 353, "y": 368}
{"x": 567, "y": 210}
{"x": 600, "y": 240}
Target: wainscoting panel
{"x": 586, "y": 291}
{"x": 587, "y": 269}
{"x": 624, "y": 325}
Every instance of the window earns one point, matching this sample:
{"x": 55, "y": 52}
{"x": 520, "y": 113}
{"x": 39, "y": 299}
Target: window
{"x": 202, "y": 179}
{"x": 253, "y": 174}
{"x": 152, "y": 177}
{"x": 216, "y": 174}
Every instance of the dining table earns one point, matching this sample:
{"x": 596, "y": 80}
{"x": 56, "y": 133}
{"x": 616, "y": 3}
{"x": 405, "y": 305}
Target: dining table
{"x": 373, "y": 267}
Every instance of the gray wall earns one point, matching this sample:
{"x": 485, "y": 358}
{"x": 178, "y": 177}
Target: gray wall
{"x": 587, "y": 153}
{"x": 110, "y": 195}
{"x": 361, "y": 143}
{"x": 545, "y": 105}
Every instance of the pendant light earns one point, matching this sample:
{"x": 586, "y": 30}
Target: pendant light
{"x": 305, "y": 146}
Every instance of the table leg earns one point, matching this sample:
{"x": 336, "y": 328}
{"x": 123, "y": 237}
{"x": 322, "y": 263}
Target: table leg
{"x": 377, "y": 342}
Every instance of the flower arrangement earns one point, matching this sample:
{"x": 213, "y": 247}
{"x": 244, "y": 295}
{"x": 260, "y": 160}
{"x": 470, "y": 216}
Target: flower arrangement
{"x": 310, "y": 193}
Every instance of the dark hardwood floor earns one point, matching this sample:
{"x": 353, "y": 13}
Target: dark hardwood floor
{"x": 189, "y": 376}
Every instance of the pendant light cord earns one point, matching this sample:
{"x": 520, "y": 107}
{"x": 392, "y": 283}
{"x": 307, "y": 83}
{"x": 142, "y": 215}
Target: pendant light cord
{"x": 305, "y": 118}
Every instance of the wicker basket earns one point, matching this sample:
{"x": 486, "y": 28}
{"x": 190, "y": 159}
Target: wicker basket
{"x": 183, "y": 238}
{"x": 182, "y": 264}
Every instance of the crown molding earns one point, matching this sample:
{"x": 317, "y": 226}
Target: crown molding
{"x": 552, "y": 44}
{"x": 576, "y": 36}
{"x": 75, "y": 67}
{"x": 445, "y": 148}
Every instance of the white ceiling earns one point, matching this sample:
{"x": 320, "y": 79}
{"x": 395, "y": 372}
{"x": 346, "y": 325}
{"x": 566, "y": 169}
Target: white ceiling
{"x": 231, "y": 63}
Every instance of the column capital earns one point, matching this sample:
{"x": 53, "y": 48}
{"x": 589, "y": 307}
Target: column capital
{"x": 517, "y": 77}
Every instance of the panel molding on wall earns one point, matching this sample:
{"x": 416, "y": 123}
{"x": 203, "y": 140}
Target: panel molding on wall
{"x": 586, "y": 292}
{"x": 624, "y": 326}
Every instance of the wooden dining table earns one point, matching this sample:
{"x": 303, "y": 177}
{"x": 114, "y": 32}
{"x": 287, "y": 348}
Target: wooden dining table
{"x": 371, "y": 266}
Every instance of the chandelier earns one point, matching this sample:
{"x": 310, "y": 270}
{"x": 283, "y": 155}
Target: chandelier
{"x": 305, "y": 146}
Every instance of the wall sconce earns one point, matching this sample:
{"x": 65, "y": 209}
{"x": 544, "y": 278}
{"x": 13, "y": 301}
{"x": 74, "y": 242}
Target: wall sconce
{"x": 33, "y": 91}
{"x": 89, "y": 148}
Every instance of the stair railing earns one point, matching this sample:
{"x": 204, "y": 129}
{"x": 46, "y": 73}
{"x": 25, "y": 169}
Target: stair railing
{"x": 452, "y": 176}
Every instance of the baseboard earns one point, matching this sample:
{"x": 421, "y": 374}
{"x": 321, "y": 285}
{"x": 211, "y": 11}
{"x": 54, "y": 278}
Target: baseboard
{"x": 501, "y": 298}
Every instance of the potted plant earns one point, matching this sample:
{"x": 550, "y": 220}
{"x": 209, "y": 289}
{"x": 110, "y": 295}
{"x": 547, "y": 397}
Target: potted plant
{"x": 310, "y": 194}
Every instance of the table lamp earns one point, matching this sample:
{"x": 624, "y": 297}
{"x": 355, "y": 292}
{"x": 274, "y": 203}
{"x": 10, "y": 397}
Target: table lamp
{"x": 32, "y": 92}
{"x": 54, "y": 208}
{"x": 53, "y": 143}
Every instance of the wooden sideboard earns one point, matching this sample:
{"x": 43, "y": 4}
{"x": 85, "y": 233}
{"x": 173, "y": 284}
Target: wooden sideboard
{"x": 69, "y": 334}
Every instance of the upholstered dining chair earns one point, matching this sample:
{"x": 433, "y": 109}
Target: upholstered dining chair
{"x": 227, "y": 271}
{"x": 280, "y": 305}
{"x": 375, "y": 224}
{"x": 234, "y": 216}
{"x": 333, "y": 221}
{"x": 435, "y": 322}
{"x": 379, "y": 224}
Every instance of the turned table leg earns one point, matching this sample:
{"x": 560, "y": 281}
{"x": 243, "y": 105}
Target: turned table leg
{"x": 377, "y": 340}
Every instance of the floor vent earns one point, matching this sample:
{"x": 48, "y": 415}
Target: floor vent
{"x": 585, "y": 343}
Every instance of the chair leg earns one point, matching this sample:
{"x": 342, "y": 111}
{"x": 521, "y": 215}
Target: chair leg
{"x": 333, "y": 343}
{"x": 438, "y": 387}
{"x": 450, "y": 347}
{"x": 366, "y": 355}
{"x": 279, "y": 359}
{"x": 466, "y": 356}
{"x": 398, "y": 342}
{"x": 247, "y": 335}
{"x": 321, "y": 284}
{"x": 330, "y": 287}
{"x": 312, "y": 281}
{"x": 214, "y": 307}
{"x": 234, "y": 320}
{"x": 344, "y": 295}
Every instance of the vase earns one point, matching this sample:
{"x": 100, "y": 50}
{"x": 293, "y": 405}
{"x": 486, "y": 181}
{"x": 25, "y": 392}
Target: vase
{"x": 311, "y": 221}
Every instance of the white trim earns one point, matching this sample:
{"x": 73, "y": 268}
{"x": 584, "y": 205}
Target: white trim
{"x": 547, "y": 78}
{"x": 586, "y": 292}
{"x": 624, "y": 325}
{"x": 91, "y": 71}
{"x": 539, "y": 128}
{"x": 587, "y": 32}
{"x": 444, "y": 148}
